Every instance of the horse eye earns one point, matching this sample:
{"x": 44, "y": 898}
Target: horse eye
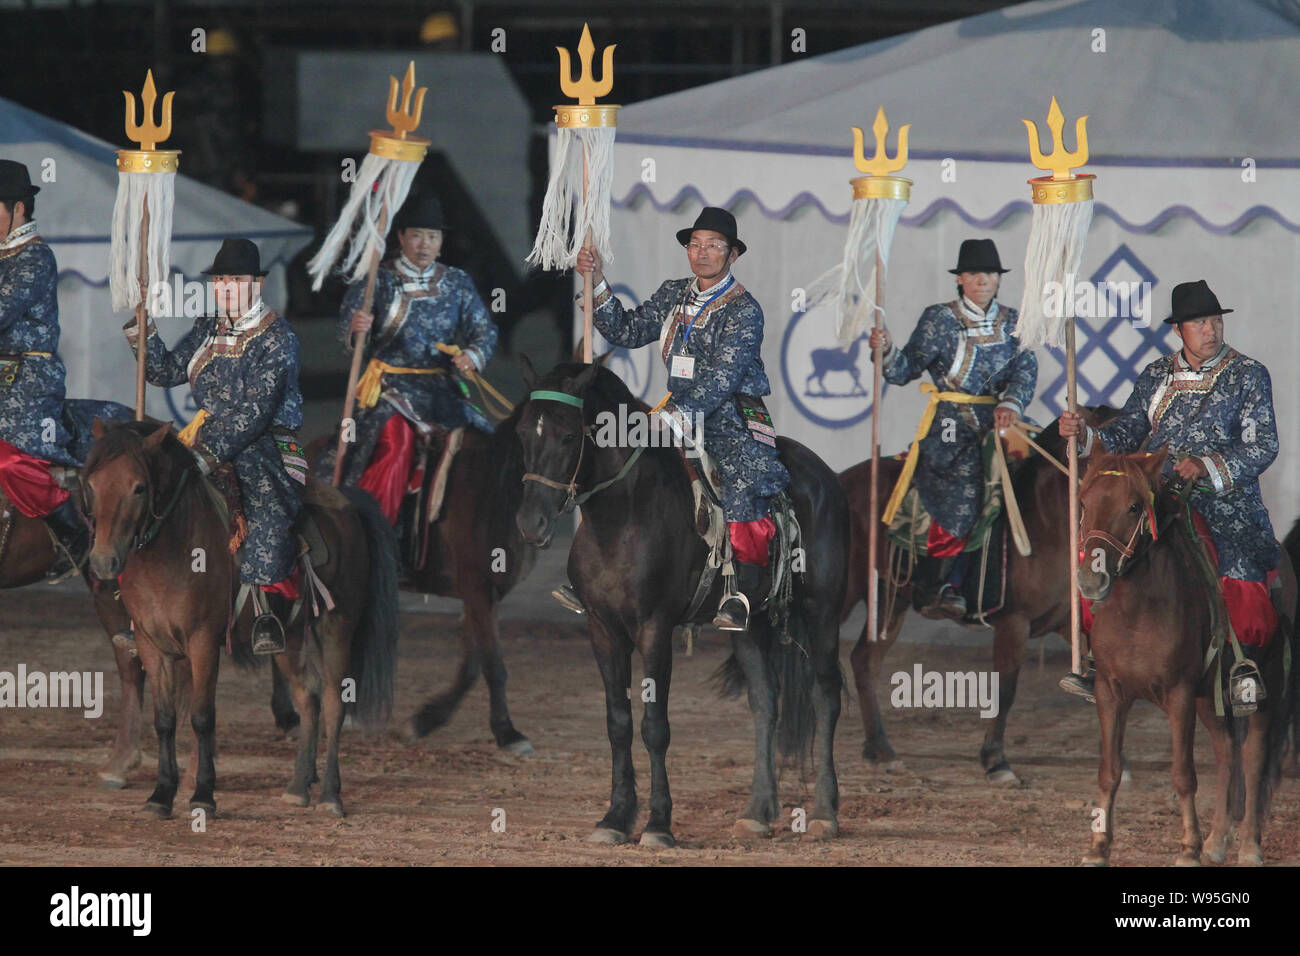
{"x": 1134, "y": 508}
{"x": 568, "y": 439}
{"x": 138, "y": 490}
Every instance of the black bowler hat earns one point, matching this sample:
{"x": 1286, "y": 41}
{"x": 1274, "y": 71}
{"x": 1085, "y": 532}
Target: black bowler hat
{"x": 715, "y": 220}
{"x": 978, "y": 255}
{"x": 15, "y": 184}
{"x": 236, "y": 257}
{"x": 421, "y": 211}
{"x": 1194, "y": 300}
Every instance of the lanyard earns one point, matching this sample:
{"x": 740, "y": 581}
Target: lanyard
{"x": 686, "y": 332}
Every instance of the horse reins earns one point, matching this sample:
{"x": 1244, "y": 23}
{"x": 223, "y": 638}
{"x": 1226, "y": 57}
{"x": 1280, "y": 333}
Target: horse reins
{"x": 1146, "y": 519}
{"x": 143, "y": 537}
{"x": 571, "y": 487}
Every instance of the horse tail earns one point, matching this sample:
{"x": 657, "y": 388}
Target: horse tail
{"x": 794, "y": 673}
{"x": 1237, "y": 729}
{"x": 728, "y": 681}
{"x": 374, "y": 645}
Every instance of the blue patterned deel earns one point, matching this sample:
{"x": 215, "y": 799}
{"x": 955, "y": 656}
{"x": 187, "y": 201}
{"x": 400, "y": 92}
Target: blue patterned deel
{"x": 245, "y": 377}
{"x": 415, "y": 310}
{"x": 962, "y": 351}
{"x": 725, "y": 344}
{"x": 1222, "y": 414}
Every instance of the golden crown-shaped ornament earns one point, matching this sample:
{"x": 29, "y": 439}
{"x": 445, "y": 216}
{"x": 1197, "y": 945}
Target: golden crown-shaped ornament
{"x": 1063, "y": 186}
{"x": 586, "y": 112}
{"x": 397, "y": 143}
{"x": 148, "y": 134}
{"x": 878, "y": 184}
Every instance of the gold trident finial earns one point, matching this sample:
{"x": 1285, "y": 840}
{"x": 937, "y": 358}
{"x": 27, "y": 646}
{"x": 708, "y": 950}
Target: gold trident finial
{"x": 405, "y": 120}
{"x": 880, "y": 164}
{"x": 146, "y": 133}
{"x": 1059, "y": 161}
{"x": 585, "y": 89}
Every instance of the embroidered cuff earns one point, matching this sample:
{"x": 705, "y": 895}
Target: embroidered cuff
{"x": 1085, "y": 447}
{"x": 1012, "y": 404}
{"x": 1218, "y": 469}
{"x": 474, "y": 357}
{"x": 601, "y": 294}
{"x": 132, "y": 331}
{"x": 887, "y": 356}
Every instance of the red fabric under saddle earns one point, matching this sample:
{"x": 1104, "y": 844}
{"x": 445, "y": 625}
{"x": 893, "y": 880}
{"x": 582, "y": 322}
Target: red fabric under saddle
{"x": 1250, "y": 612}
{"x": 26, "y": 482}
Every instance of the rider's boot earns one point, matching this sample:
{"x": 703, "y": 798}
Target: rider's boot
{"x": 733, "y": 610}
{"x": 73, "y": 537}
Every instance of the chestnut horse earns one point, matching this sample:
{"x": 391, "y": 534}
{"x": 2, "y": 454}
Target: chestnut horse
{"x": 635, "y": 563}
{"x": 1037, "y": 600}
{"x": 153, "y": 518}
{"x": 1150, "y": 634}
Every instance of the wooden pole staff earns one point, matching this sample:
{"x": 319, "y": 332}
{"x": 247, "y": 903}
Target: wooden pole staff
{"x": 358, "y": 353}
{"x": 142, "y": 316}
{"x": 1071, "y": 398}
{"x": 873, "y": 603}
{"x": 587, "y": 285}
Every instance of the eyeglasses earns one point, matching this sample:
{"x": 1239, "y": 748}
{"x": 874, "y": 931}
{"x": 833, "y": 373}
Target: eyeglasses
{"x": 712, "y": 246}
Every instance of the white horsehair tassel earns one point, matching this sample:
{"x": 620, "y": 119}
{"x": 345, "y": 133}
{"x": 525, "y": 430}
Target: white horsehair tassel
{"x": 567, "y": 214}
{"x": 1057, "y": 238}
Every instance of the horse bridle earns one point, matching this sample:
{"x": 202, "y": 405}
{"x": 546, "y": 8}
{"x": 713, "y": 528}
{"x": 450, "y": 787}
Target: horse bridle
{"x": 570, "y": 487}
{"x": 143, "y": 535}
{"x": 1146, "y": 519}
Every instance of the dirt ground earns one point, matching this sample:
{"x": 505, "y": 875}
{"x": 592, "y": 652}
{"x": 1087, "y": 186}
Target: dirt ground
{"x": 434, "y": 802}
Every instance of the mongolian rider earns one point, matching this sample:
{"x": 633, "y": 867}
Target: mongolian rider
{"x": 967, "y": 347}
{"x": 242, "y": 367}
{"x": 710, "y": 331}
{"x": 431, "y": 320}
{"x": 1213, "y": 407}
{"x": 32, "y": 433}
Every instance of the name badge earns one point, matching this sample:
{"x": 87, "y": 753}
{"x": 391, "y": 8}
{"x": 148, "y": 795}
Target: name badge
{"x": 683, "y": 366}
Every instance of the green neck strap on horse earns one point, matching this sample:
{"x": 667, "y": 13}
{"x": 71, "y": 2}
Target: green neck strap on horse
{"x": 576, "y": 402}
{"x": 155, "y": 526}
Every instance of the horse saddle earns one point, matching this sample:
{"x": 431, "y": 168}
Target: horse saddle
{"x": 711, "y": 526}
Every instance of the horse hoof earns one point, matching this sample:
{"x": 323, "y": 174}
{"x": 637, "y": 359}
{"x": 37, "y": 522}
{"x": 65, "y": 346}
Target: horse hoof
{"x": 158, "y": 811}
{"x": 745, "y": 829}
{"x": 1004, "y": 777}
{"x": 823, "y": 829}
{"x": 1187, "y": 859}
{"x": 333, "y": 806}
{"x": 1217, "y": 857}
{"x": 1250, "y": 858}
{"x": 408, "y": 733}
{"x": 112, "y": 780}
{"x": 1093, "y": 859}
{"x": 520, "y": 748}
{"x": 606, "y": 836}
{"x": 658, "y": 840}
{"x": 295, "y": 799}
{"x": 1125, "y": 776}
{"x": 207, "y": 806}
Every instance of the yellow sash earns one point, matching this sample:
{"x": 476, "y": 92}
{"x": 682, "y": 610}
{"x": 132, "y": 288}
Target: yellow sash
{"x": 368, "y": 387}
{"x": 927, "y": 419}
{"x": 191, "y": 431}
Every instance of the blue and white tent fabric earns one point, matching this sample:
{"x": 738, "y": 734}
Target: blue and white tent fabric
{"x": 1198, "y": 177}
{"x": 78, "y": 179}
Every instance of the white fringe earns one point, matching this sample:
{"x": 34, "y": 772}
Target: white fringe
{"x": 133, "y": 189}
{"x": 851, "y": 285}
{"x": 1056, "y": 239}
{"x": 358, "y": 223}
{"x": 566, "y": 214}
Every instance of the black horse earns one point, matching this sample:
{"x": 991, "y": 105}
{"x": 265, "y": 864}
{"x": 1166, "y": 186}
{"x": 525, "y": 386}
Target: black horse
{"x": 635, "y": 563}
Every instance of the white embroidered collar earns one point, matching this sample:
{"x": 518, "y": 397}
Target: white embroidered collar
{"x": 20, "y": 235}
{"x": 976, "y": 314}
{"x": 248, "y": 319}
{"x": 1181, "y": 364}
{"x": 698, "y": 298}
{"x": 411, "y": 271}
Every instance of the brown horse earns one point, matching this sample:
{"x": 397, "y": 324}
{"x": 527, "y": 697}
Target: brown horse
{"x": 146, "y": 498}
{"x": 26, "y": 555}
{"x": 1150, "y": 635}
{"x": 1037, "y": 601}
{"x": 476, "y": 554}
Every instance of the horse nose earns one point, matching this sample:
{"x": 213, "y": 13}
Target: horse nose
{"x": 105, "y": 567}
{"x": 532, "y": 525}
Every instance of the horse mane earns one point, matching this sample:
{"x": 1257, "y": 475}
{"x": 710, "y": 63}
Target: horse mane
{"x": 127, "y": 438}
{"x": 606, "y": 384}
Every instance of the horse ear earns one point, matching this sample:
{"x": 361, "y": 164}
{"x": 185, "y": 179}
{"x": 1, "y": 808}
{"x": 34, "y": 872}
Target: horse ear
{"x": 603, "y": 359}
{"x": 585, "y": 378}
{"x": 527, "y": 371}
{"x": 1154, "y": 463}
{"x": 97, "y": 428}
{"x": 155, "y": 437}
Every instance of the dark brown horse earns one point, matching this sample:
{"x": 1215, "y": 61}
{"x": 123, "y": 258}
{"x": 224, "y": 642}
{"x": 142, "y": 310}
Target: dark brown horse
{"x": 1150, "y": 635}
{"x": 155, "y": 522}
{"x": 635, "y": 564}
{"x": 475, "y": 554}
{"x": 1037, "y": 600}
{"x": 26, "y": 555}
